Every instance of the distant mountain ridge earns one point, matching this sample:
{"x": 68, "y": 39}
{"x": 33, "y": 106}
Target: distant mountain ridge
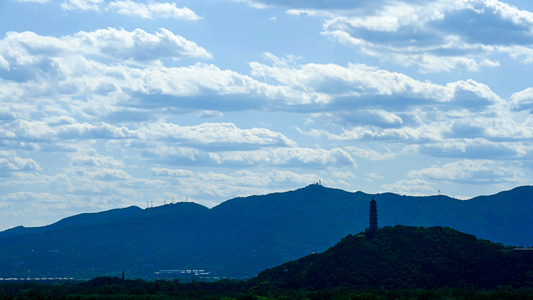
{"x": 245, "y": 235}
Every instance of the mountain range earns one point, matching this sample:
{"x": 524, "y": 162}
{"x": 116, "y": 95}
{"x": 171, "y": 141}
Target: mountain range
{"x": 243, "y": 236}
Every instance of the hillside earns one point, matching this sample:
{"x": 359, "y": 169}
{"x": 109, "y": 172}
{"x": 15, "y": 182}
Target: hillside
{"x": 244, "y": 236}
{"x": 404, "y": 257}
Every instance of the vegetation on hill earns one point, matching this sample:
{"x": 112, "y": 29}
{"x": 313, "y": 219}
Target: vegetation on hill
{"x": 403, "y": 257}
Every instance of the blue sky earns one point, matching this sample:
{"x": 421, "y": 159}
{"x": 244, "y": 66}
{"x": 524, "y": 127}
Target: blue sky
{"x": 112, "y": 103}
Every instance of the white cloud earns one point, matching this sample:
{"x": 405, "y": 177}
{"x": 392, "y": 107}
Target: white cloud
{"x": 41, "y": 131}
{"x": 288, "y": 156}
{"x": 238, "y": 183}
{"x": 214, "y": 133}
{"x": 438, "y": 36}
{"x": 10, "y": 162}
{"x": 209, "y": 114}
{"x": 300, "y": 84}
{"x": 509, "y": 12}
{"x": 172, "y": 172}
{"x": 472, "y": 171}
{"x": 317, "y": 4}
{"x": 152, "y": 10}
{"x": 149, "y": 10}
{"x": 373, "y": 176}
{"x": 475, "y": 148}
{"x": 255, "y": 4}
{"x": 43, "y": 208}
{"x": 375, "y": 117}
{"x": 27, "y": 48}
{"x": 36, "y": 1}
{"x": 96, "y": 161}
{"x": 34, "y": 130}
{"x": 386, "y": 154}
{"x": 423, "y": 133}
{"x": 94, "y": 131}
{"x": 412, "y": 187}
{"x": 430, "y": 127}
{"x": 359, "y": 81}
{"x": 137, "y": 45}
{"x": 4, "y": 64}
{"x": 522, "y": 100}
{"x": 29, "y": 196}
{"x": 107, "y": 174}
{"x": 82, "y": 4}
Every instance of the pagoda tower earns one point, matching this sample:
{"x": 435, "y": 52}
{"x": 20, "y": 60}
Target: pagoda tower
{"x": 373, "y": 215}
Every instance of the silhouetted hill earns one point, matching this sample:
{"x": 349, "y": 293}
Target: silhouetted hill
{"x": 404, "y": 257}
{"x": 246, "y": 235}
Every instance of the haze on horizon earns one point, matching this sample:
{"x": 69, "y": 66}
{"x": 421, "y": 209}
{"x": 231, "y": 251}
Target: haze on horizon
{"x": 112, "y": 103}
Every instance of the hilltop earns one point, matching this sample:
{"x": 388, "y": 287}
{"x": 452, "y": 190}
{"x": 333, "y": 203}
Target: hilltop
{"x": 403, "y": 257}
{"x": 243, "y": 236}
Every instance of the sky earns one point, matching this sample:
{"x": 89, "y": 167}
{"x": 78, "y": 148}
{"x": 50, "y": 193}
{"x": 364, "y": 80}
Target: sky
{"x": 111, "y": 103}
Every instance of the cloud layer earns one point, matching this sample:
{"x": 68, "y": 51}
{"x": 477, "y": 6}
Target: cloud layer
{"x": 139, "y": 101}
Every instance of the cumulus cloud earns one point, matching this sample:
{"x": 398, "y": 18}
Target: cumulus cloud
{"x": 432, "y": 128}
{"x": 318, "y": 4}
{"x": 374, "y": 117}
{"x": 438, "y": 36}
{"x": 172, "y": 172}
{"x": 356, "y": 86}
{"x": 25, "y": 49}
{"x": 19, "y": 197}
{"x": 369, "y": 86}
{"x": 472, "y": 171}
{"x": 82, "y": 4}
{"x": 522, "y": 100}
{"x": 288, "y": 156}
{"x": 40, "y": 131}
{"x": 150, "y": 87}
{"x": 107, "y": 174}
{"x": 96, "y": 161}
{"x": 218, "y": 134}
{"x": 152, "y": 10}
{"x": 386, "y": 154}
{"x": 207, "y": 136}
{"x": 137, "y": 45}
{"x": 412, "y": 187}
{"x": 36, "y": 1}
{"x": 10, "y": 162}
{"x": 209, "y": 114}
{"x": 423, "y": 133}
{"x": 475, "y": 148}
{"x": 149, "y": 10}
